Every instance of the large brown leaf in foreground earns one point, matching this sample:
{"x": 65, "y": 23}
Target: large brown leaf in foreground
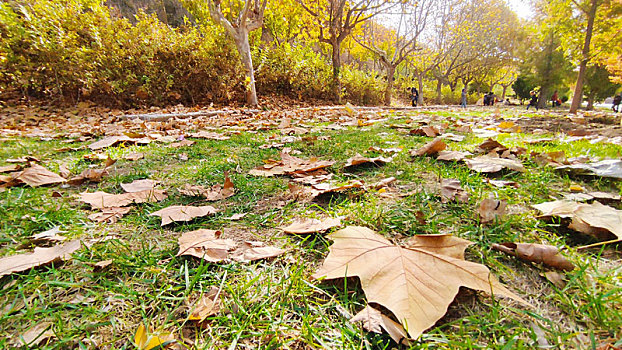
{"x": 41, "y": 256}
{"x": 416, "y": 284}
{"x": 183, "y": 213}
{"x": 36, "y": 175}
{"x": 598, "y": 220}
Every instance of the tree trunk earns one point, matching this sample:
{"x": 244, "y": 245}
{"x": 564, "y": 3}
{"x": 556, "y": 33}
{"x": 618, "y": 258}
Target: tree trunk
{"x": 505, "y": 88}
{"x": 439, "y": 94}
{"x": 390, "y": 78}
{"x": 336, "y": 45}
{"x": 543, "y": 99}
{"x": 420, "y": 82}
{"x": 590, "y": 102}
{"x": 244, "y": 49}
{"x": 578, "y": 90}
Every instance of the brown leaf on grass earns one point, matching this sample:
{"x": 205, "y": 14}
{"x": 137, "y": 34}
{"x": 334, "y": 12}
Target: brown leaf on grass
{"x": 451, "y": 190}
{"x": 487, "y": 164}
{"x": 178, "y": 213}
{"x": 206, "y": 244}
{"x": 40, "y": 256}
{"x": 139, "y": 185}
{"x": 360, "y": 160}
{"x": 305, "y": 226}
{"x": 491, "y": 145}
{"x": 214, "y": 193}
{"x": 289, "y": 165}
{"x": 452, "y": 155}
{"x": 491, "y": 209}
{"x": 416, "y": 284}
{"x": 34, "y": 336}
{"x": 36, "y": 175}
{"x": 502, "y": 183}
{"x": 134, "y": 156}
{"x": 254, "y": 250}
{"x": 101, "y": 200}
{"x": 429, "y": 131}
{"x": 550, "y": 158}
{"x": 209, "y": 135}
{"x": 430, "y": 148}
{"x": 556, "y": 278}
{"x": 312, "y": 178}
{"x": 109, "y": 141}
{"x": 92, "y": 175}
{"x": 51, "y": 235}
{"x": 10, "y": 168}
{"x": 595, "y": 219}
{"x": 146, "y": 340}
{"x": 109, "y": 215}
{"x": 100, "y": 265}
{"x": 182, "y": 143}
{"x": 374, "y": 321}
{"x": 207, "y": 305}
{"x": 382, "y": 183}
{"x": 537, "y": 253}
{"x": 605, "y": 168}
{"x": 26, "y": 159}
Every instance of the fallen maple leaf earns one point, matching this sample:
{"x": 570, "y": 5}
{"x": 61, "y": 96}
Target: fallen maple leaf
{"x": 538, "y": 253}
{"x": 490, "y": 209}
{"x": 254, "y": 250}
{"x": 206, "y": 244}
{"x": 139, "y": 185}
{"x": 134, "y": 156}
{"x": 10, "y": 168}
{"x": 429, "y": 131}
{"x": 289, "y": 165}
{"x": 214, "y": 193}
{"x": 177, "y": 213}
{"x": 35, "y": 335}
{"x": 430, "y": 148}
{"x": 451, "y": 190}
{"x": 40, "y": 256}
{"x": 36, "y": 175}
{"x": 598, "y": 220}
{"x": 416, "y": 284}
{"x": 304, "y": 226}
{"x": 487, "y": 164}
{"x": 452, "y": 155}
{"x": 102, "y": 200}
{"x": 51, "y": 235}
{"x": 374, "y": 321}
{"x": 109, "y": 215}
{"x": 359, "y": 160}
{"x": 207, "y": 305}
{"x": 109, "y": 141}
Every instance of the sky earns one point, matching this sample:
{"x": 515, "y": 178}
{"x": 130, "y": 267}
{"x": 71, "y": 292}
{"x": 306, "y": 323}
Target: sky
{"x": 522, "y": 8}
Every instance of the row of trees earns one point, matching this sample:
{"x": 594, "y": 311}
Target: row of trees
{"x": 438, "y": 46}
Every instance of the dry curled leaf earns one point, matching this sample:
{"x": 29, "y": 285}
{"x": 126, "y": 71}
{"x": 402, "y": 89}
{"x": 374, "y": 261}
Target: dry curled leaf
{"x": 51, "y": 235}
{"x": 430, "y": 148}
{"x": 214, "y": 193}
{"x": 10, "y": 168}
{"x": 537, "y": 253}
{"x": 452, "y": 155}
{"x": 36, "y": 175}
{"x": 35, "y": 335}
{"x": 452, "y": 191}
{"x": 178, "y": 213}
{"x": 416, "y": 284}
{"x": 40, "y": 256}
{"x": 491, "y": 209}
{"x": 289, "y": 165}
{"x": 305, "y": 226}
{"x": 102, "y": 200}
{"x": 146, "y": 340}
{"x": 139, "y": 185}
{"x": 109, "y": 215}
{"x": 109, "y": 141}
{"x": 206, "y": 244}
{"x": 374, "y": 321}
{"x": 487, "y": 164}
{"x": 595, "y": 219}
{"x": 207, "y": 305}
{"x": 360, "y": 160}
{"x": 429, "y": 131}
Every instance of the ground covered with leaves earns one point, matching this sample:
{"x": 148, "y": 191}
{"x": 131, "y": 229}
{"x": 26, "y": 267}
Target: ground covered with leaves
{"x": 335, "y": 227}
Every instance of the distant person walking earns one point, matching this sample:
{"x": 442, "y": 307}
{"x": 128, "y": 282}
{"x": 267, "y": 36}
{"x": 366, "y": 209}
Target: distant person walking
{"x": 533, "y": 101}
{"x": 414, "y": 96}
{"x": 616, "y": 103}
{"x": 463, "y": 98}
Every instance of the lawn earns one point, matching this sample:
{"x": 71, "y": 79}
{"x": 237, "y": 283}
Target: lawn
{"x": 275, "y": 303}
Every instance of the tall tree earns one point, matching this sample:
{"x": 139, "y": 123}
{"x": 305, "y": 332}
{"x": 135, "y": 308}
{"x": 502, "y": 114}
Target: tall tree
{"x": 238, "y": 18}
{"x": 340, "y": 18}
{"x": 397, "y": 44}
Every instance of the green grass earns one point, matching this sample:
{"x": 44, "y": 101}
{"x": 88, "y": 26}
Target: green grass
{"x": 275, "y": 304}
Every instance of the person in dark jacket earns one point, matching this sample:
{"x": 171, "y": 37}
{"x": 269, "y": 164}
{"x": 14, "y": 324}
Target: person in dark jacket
{"x": 414, "y": 96}
{"x": 533, "y": 101}
{"x": 616, "y": 103}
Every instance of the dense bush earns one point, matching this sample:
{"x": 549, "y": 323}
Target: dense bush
{"x": 291, "y": 70}
{"x": 362, "y": 87}
{"x": 74, "y": 49}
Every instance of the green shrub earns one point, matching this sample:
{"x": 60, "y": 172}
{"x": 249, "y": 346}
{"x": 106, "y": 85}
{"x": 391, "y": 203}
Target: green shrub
{"x": 362, "y": 87}
{"x": 74, "y": 49}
